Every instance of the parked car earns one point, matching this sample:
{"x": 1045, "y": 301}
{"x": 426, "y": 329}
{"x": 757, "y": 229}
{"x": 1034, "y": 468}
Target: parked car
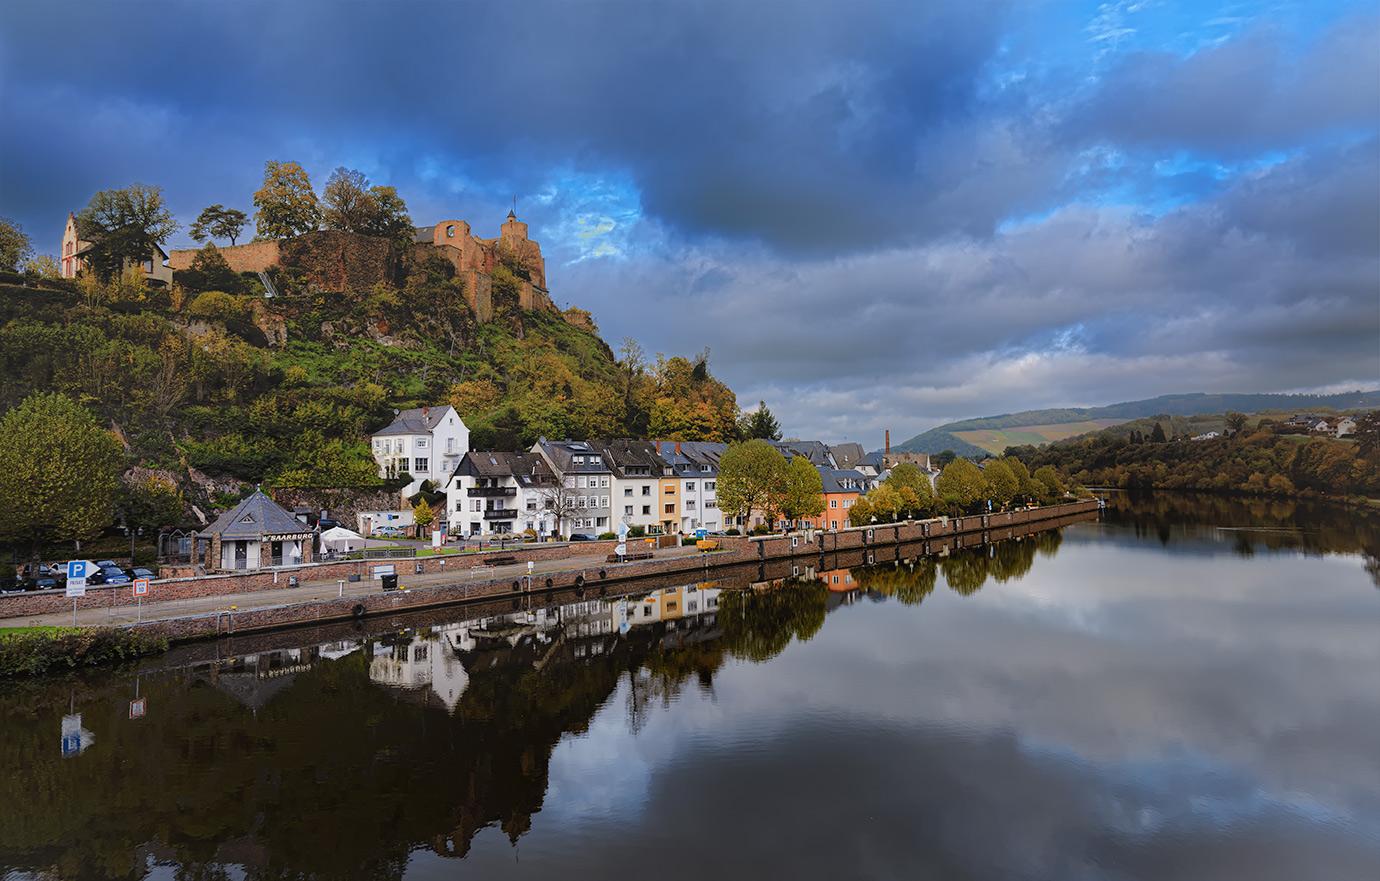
{"x": 114, "y": 576}
{"x": 97, "y": 577}
{"x": 138, "y": 573}
{"x": 11, "y": 583}
{"x": 326, "y": 523}
{"x": 389, "y": 532}
{"x": 46, "y": 582}
{"x": 582, "y": 536}
{"x": 106, "y": 564}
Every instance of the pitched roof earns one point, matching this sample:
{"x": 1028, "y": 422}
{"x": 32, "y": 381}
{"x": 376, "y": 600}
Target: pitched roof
{"x": 847, "y": 454}
{"x": 419, "y": 420}
{"x": 256, "y": 517}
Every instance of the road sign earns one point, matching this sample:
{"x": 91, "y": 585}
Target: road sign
{"x": 141, "y": 587}
{"x": 137, "y": 707}
{"x": 622, "y": 531}
{"x": 77, "y": 570}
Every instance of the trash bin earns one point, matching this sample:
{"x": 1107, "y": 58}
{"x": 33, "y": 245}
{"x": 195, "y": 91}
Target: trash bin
{"x": 390, "y": 582}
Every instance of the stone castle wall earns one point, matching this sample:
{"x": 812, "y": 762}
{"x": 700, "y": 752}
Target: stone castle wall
{"x": 250, "y": 257}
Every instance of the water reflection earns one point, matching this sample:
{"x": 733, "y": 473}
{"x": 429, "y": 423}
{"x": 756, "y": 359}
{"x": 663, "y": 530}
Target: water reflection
{"x": 1035, "y": 695}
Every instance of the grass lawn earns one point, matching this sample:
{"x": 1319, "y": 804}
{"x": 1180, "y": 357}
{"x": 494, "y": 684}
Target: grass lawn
{"x": 20, "y": 631}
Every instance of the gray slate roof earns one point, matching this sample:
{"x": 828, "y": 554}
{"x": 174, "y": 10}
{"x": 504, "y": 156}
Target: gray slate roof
{"x": 419, "y": 420}
{"x": 254, "y": 518}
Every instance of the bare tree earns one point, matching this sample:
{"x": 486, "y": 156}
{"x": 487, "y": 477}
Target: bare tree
{"x": 558, "y": 500}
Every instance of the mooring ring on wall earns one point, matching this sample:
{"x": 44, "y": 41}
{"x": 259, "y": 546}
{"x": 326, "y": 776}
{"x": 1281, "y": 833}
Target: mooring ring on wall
{"x": 579, "y": 591}
{"x": 358, "y": 610}
{"x": 579, "y": 580}
{"x": 603, "y": 574}
{"x": 549, "y": 582}
{"x": 517, "y": 585}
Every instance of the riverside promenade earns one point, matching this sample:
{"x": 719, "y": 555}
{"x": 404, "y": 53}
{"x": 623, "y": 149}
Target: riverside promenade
{"x": 210, "y": 606}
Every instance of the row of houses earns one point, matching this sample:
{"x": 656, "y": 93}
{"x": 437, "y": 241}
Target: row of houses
{"x": 1337, "y": 426}
{"x": 591, "y": 486}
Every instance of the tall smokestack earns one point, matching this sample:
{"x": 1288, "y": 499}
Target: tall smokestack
{"x": 888, "y": 442}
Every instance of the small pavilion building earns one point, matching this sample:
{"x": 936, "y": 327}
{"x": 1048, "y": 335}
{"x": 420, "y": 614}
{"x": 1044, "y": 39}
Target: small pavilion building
{"x": 258, "y": 533}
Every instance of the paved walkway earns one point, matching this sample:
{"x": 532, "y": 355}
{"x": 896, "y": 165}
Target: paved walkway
{"x": 318, "y": 589}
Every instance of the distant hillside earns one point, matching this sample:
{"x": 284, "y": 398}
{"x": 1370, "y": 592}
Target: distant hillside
{"x": 992, "y": 434}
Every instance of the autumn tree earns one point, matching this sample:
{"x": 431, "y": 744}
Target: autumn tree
{"x": 751, "y": 475}
{"x": 125, "y": 227}
{"x": 390, "y": 219}
{"x": 1235, "y": 422}
{"x": 1047, "y": 482}
{"x": 59, "y": 473}
{"x": 913, "y": 486}
{"x": 1367, "y": 434}
{"x": 286, "y": 203}
{"x": 961, "y": 484}
{"x": 422, "y": 515}
{"x": 802, "y": 492}
{"x": 151, "y": 502}
{"x": 759, "y": 424}
{"x": 861, "y": 512}
{"x": 15, "y": 246}
{"x": 218, "y": 222}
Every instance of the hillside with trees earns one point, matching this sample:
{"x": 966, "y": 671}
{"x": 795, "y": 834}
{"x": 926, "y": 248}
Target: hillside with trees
{"x": 1213, "y": 409}
{"x": 214, "y": 384}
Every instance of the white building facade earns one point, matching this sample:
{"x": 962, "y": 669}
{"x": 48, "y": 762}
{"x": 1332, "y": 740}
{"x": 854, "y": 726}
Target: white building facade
{"x": 426, "y": 443}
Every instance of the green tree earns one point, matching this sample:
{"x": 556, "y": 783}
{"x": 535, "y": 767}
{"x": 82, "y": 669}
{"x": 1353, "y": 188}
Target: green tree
{"x": 751, "y": 476}
{"x": 1235, "y": 422}
{"x": 286, "y": 203}
{"x": 345, "y": 200}
{"x": 59, "y": 473}
{"x": 760, "y": 424}
{"x": 219, "y": 222}
{"x": 1025, "y": 485}
{"x": 390, "y": 219}
{"x": 886, "y": 502}
{"x": 1048, "y": 483}
{"x": 962, "y": 484}
{"x": 125, "y": 227}
{"x": 42, "y": 266}
{"x": 15, "y": 246}
{"x": 151, "y": 503}
{"x": 913, "y": 485}
{"x": 943, "y": 459}
{"x": 1157, "y": 434}
{"x": 803, "y": 490}
{"x": 1002, "y": 484}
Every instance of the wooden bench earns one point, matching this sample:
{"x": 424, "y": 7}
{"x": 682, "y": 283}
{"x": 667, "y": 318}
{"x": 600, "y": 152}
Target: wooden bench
{"x": 501, "y": 561}
{"x": 627, "y": 558}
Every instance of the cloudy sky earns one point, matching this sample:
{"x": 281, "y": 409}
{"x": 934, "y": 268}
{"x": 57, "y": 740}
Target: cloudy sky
{"x": 874, "y": 215}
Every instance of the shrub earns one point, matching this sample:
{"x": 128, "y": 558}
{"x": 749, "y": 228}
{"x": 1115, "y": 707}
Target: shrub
{"x": 760, "y": 529}
{"x": 637, "y": 531}
{"x": 607, "y": 536}
{"x": 732, "y": 530}
{"x": 37, "y": 652}
{"x": 688, "y": 541}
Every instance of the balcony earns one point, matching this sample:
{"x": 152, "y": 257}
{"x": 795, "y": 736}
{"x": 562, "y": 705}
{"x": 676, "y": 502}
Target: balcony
{"x": 491, "y": 491}
{"x": 501, "y": 514}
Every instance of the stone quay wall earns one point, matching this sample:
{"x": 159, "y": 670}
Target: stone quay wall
{"x": 734, "y": 551}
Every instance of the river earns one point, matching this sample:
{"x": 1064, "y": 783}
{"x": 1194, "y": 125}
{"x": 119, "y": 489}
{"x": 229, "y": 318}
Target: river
{"x": 1187, "y": 688}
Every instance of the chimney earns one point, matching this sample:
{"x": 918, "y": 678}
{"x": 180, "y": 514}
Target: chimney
{"x": 677, "y": 448}
{"x": 424, "y": 412}
{"x": 658, "y": 448}
{"x": 888, "y": 442}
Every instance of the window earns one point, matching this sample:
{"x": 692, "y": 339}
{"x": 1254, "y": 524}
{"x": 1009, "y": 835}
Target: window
{"x": 450, "y": 445}
{"x": 833, "y": 524}
{"x": 570, "y": 483}
{"x": 671, "y": 489}
{"x": 596, "y": 460}
{"x": 474, "y": 505}
{"x": 627, "y": 491}
{"x": 627, "y": 510}
{"x": 578, "y": 460}
{"x": 670, "y": 607}
{"x": 421, "y": 443}
{"x": 671, "y": 508}
{"x": 709, "y": 486}
{"x": 531, "y": 505}
{"x": 711, "y": 504}
{"x": 603, "y": 501}
{"x": 419, "y": 653}
{"x": 450, "y": 230}
{"x": 646, "y": 510}
{"x": 689, "y": 486}
{"x": 580, "y": 481}
{"x": 603, "y": 481}
{"x": 601, "y": 522}
{"x": 692, "y": 606}
{"x": 646, "y": 490}
{"x": 689, "y": 504}
{"x": 833, "y": 503}
{"x": 419, "y": 464}
{"x": 580, "y": 502}
{"x": 376, "y": 443}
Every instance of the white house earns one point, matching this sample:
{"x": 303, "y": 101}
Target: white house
{"x": 497, "y": 493}
{"x": 586, "y": 478}
{"x": 427, "y": 443}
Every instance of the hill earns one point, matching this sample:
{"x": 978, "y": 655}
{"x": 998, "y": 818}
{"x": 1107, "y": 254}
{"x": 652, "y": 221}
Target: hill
{"x": 992, "y": 434}
{"x": 221, "y": 386}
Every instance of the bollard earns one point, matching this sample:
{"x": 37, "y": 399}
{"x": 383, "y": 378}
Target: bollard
{"x": 342, "y": 586}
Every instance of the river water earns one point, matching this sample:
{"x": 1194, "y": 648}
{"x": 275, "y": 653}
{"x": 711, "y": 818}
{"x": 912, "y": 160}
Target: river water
{"x": 1185, "y": 688}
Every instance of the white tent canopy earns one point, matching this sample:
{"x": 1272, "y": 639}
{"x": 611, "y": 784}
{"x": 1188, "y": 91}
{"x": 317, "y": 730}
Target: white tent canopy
{"x": 341, "y": 534}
